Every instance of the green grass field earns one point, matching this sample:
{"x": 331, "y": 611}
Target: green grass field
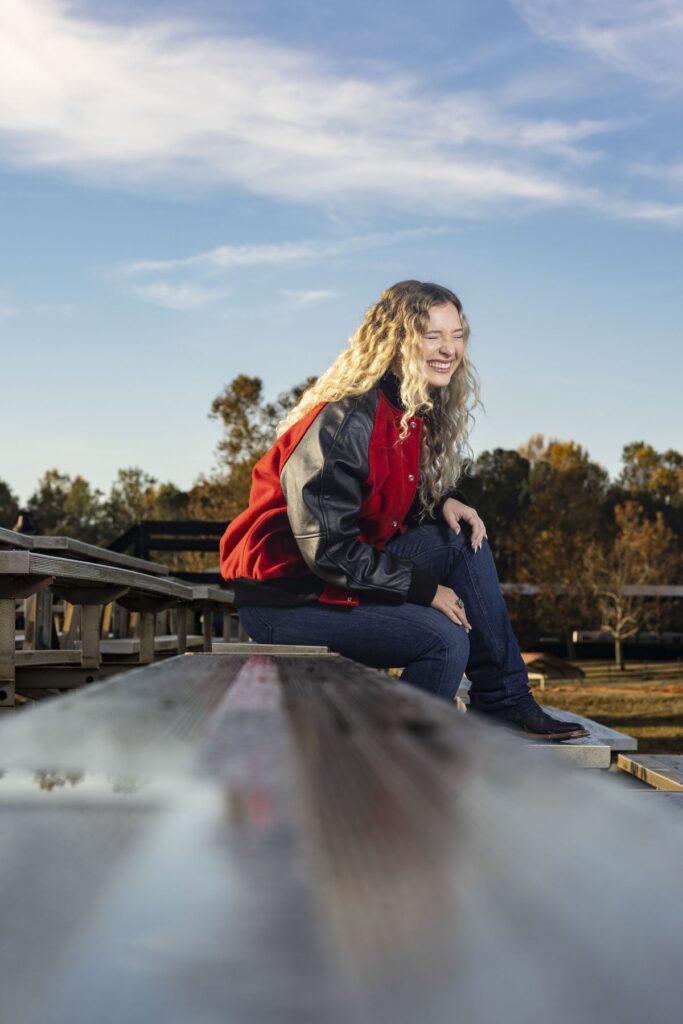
{"x": 645, "y": 701}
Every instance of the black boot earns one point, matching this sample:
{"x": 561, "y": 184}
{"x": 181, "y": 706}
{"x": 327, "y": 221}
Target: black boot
{"x": 531, "y": 720}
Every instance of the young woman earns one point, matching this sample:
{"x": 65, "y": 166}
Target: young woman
{"x": 355, "y": 537}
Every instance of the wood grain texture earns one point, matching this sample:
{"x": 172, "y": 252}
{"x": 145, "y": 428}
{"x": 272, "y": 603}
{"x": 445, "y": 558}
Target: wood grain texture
{"x": 40, "y": 659}
{"x": 67, "y": 547}
{"x": 663, "y": 771}
{"x": 587, "y": 754}
{"x": 237, "y": 647}
{"x": 64, "y": 570}
{"x": 11, "y": 539}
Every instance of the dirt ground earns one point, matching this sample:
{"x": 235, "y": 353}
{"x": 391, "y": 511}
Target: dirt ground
{"x": 645, "y": 701}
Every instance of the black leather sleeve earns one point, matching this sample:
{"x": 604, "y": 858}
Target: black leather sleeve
{"x": 322, "y": 482}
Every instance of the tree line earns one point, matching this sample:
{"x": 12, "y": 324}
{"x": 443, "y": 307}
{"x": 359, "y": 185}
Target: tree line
{"x": 553, "y": 516}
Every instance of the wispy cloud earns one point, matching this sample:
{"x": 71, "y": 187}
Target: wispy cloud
{"x": 192, "y": 283}
{"x": 307, "y": 297}
{"x": 672, "y": 173}
{"x": 37, "y": 308}
{"x": 184, "y": 295}
{"x": 169, "y": 100}
{"x": 642, "y": 38}
{"x": 230, "y": 257}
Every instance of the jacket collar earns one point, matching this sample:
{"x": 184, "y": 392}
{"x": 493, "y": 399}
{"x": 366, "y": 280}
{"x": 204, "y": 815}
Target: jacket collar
{"x": 391, "y": 386}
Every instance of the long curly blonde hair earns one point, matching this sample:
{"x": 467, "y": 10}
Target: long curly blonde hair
{"x": 390, "y": 336}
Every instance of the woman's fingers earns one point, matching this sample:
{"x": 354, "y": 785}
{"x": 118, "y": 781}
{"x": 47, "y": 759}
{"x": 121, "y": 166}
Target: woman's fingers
{"x": 458, "y": 619}
{"x": 469, "y": 516}
{"x": 446, "y": 601}
{"x": 465, "y": 621}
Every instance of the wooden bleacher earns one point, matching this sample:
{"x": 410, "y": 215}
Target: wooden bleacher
{"x": 274, "y": 838}
{"x": 103, "y": 595}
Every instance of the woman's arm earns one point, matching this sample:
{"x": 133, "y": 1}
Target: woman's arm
{"x": 322, "y": 482}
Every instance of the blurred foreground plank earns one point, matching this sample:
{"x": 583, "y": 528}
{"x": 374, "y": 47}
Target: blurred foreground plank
{"x": 271, "y": 838}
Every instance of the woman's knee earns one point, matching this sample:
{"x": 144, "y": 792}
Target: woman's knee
{"x": 441, "y": 665}
{"x": 447, "y": 641}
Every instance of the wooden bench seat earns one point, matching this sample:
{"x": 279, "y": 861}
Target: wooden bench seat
{"x": 67, "y": 547}
{"x": 266, "y": 838}
{"x": 661, "y": 771}
{"x": 15, "y": 541}
{"x": 237, "y": 647}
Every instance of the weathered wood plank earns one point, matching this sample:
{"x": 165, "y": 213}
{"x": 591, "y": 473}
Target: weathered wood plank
{"x": 37, "y": 659}
{"x": 11, "y": 539}
{"x": 67, "y": 547}
{"x": 203, "y": 593}
{"x": 236, "y": 647}
{"x": 310, "y": 841}
{"x": 29, "y": 564}
{"x": 162, "y": 644}
{"x": 663, "y": 771}
{"x": 32, "y": 680}
{"x": 579, "y": 753}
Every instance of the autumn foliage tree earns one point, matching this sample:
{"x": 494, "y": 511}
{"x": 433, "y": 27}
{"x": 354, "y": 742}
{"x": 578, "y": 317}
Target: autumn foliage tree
{"x": 67, "y": 506}
{"x": 643, "y": 552}
{"x": 249, "y": 425}
{"x": 658, "y": 474}
{"x": 563, "y": 512}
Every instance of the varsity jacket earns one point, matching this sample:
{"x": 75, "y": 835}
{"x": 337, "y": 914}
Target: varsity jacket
{"x": 325, "y": 501}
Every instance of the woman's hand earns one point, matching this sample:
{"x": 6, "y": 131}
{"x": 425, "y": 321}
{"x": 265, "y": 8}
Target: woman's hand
{"x": 454, "y": 511}
{"x": 446, "y": 601}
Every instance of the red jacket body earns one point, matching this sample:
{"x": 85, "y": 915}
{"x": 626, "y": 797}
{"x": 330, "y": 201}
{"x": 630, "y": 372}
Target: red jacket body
{"x": 325, "y": 500}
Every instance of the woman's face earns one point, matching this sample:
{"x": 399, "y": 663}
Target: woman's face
{"x": 443, "y": 344}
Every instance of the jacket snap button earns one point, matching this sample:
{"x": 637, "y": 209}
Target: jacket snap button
{"x": 411, "y": 477}
{"x": 394, "y": 524}
{"x": 349, "y": 598}
{"x": 413, "y": 424}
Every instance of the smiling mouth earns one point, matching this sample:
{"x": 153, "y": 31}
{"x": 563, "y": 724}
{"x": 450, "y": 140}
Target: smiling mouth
{"x": 441, "y": 367}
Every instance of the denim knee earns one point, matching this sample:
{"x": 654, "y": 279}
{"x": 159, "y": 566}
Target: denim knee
{"x": 442, "y": 662}
{"x": 449, "y": 641}
{"x": 451, "y": 638}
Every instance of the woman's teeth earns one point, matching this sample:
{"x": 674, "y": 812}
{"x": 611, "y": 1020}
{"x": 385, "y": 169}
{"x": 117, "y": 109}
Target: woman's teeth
{"x": 441, "y": 367}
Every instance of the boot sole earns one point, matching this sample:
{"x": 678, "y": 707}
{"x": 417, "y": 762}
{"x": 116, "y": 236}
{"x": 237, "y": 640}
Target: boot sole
{"x": 516, "y": 730}
{"x": 557, "y": 736}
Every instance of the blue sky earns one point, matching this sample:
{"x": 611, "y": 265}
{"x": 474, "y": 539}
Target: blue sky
{"x": 192, "y": 191}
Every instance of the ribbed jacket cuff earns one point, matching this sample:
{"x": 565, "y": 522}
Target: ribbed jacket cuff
{"x": 422, "y": 587}
{"x": 451, "y": 494}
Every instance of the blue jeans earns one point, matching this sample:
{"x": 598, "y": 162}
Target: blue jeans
{"x": 433, "y": 651}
